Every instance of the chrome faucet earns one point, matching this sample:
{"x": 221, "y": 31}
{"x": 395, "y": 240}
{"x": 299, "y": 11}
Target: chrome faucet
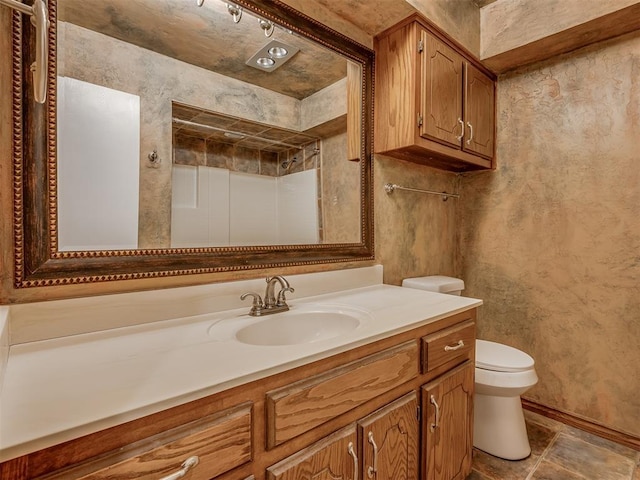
{"x": 271, "y": 303}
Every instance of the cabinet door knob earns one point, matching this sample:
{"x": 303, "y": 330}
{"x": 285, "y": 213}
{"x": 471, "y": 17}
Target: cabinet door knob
{"x": 187, "y": 465}
{"x": 470, "y": 133}
{"x": 437, "y": 407}
{"x": 352, "y": 452}
{"x": 459, "y": 137}
{"x": 457, "y": 346}
{"x": 371, "y": 471}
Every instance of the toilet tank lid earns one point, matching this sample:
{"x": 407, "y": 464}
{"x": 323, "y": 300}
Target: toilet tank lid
{"x": 501, "y": 358}
{"x": 435, "y": 283}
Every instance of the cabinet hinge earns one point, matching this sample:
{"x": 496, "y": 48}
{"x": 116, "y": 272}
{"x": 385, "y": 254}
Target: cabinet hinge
{"x": 420, "y": 46}
{"x": 418, "y": 413}
{"x": 420, "y": 120}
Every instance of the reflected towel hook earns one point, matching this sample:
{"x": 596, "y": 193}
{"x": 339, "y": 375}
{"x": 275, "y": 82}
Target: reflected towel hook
{"x": 390, "y": 187}
{"x": 235, "y": 11}
{"x": 40, "y": 20}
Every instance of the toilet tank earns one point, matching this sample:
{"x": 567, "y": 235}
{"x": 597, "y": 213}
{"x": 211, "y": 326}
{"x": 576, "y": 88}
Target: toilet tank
{"x": 436, "y": 283}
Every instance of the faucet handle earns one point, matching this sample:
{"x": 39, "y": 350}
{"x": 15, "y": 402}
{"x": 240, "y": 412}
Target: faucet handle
{"x": 282, "y": 300}
{"x": 257, "y": 305}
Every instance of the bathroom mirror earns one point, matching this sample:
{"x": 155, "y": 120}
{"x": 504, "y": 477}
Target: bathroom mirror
{"x": 160, "y": 102}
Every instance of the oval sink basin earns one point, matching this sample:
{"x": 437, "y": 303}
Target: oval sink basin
{"x": 304, "y": 326}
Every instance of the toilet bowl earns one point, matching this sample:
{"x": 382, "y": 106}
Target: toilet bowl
{"x": 502, "y": 374}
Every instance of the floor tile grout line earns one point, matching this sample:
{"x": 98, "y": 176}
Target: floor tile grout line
{"x": 542, "y": 455}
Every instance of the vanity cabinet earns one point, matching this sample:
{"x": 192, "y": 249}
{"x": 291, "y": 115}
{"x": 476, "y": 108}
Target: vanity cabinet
{"x": 364, "y": 413}
{"x": 435, "y": 104}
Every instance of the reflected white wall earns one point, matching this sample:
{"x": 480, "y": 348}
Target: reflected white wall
{"x": 98, "y": 167}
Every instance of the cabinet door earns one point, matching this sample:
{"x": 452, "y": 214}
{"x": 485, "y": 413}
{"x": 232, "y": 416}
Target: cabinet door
{"x": 390, "y": 441}
{"x": 479, "y": 112}
{"x": 441, "y": 91}
{"x": 447, "y": 428}
{"x": 334, "y": 457}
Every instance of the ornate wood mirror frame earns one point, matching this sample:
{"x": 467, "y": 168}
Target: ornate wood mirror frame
{"x": 38, "y": 262}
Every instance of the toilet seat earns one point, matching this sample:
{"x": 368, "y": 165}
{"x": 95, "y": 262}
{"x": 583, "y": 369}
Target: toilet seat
{"x": 501, "y": 358}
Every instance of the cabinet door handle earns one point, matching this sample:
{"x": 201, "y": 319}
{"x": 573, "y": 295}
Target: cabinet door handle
{"x": 352, "y": 452}
{"x": 459, "y": 137}
{"x": 187, "y": 465}
{"x": 435, "y": 404}
{"x": 470, "y": 133}
{"x": 371, "y": 471}
{"x": 449, "y": 348}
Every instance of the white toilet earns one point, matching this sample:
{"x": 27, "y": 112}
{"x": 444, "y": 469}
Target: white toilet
{"x": 502, "y": 374}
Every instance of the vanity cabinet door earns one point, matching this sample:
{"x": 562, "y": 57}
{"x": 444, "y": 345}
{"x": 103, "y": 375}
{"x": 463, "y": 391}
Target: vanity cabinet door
{"x": 335, "y": 456}
{"x": 447, "y": 428}
{"x": 390, "y": 440}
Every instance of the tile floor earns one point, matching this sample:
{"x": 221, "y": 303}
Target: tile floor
{"x": 560, "y": 452}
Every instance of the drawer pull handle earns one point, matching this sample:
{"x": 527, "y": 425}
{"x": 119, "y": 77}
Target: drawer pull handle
{"x": 435, "y": 404}
{"x": 457, "y": 346}
{"x": 355, "y": 461}
{"x": 371, "y": 471}
{"x": 187, "y": 465}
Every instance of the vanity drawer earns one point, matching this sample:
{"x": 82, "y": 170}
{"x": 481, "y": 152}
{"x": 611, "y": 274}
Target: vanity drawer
{"x": 446, "y": 345}
{"x": 301, "y": 406}
{"x": 221, "y": 442}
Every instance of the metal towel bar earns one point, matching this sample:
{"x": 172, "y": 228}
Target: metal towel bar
{"x": 390, "y": 187}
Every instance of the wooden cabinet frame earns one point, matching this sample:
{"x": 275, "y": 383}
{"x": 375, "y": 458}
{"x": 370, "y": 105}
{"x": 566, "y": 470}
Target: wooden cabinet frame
{"x": 435, "y": 102}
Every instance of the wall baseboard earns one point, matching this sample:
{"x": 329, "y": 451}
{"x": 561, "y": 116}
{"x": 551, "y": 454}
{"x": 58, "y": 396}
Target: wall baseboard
{"x": 626, "y": 439}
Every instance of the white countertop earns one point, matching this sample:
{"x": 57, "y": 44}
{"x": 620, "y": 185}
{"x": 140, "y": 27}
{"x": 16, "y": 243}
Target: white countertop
{"x": 59, "y": 389}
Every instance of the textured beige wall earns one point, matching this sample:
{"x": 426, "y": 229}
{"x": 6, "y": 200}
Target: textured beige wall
{"x": 415, "y": 233}
{"x": 508, "y": 24}
{"x": 551, "y": 240}
{"x": 340, "y": 192}
{"x": 459, "y": 18}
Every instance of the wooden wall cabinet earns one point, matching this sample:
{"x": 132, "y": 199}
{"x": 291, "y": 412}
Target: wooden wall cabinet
{"x": 435, "y": 104}
{"x": 364, "y": 413}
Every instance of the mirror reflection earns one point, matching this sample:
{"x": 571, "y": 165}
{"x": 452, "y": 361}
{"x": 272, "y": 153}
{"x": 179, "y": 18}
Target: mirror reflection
{"x": 187, "y": 126}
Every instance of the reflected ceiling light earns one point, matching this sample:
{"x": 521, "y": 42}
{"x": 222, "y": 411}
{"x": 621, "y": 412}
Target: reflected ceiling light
{"x": 272, "y": 55}
{"x": 266, "y": 62}
{"x": 235, "y": 11}
{"x": 234, "y": 135}
{"x": 278, "y": 52}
